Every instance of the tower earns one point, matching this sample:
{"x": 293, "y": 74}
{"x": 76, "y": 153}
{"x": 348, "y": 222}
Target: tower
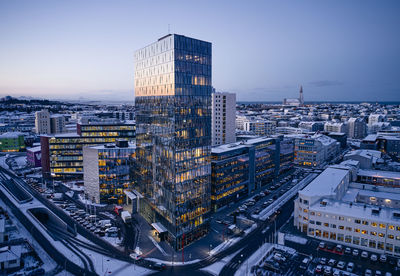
{"x": 173, "y": 136}
{"x": 301, "y": 99}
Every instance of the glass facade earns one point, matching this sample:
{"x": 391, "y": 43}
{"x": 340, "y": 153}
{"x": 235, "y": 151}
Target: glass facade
{"x": 114, "y": 173}
{"x": 173, "y": 135}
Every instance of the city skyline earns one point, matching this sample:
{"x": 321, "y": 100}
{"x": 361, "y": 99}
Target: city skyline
{"x": 338, "y": 51}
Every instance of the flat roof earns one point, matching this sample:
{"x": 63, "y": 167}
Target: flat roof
{"x": 130, "y": 194}
{"x": 376, "y": 173}
{"x": 159, "y": 227}
{"x": 357, "y": 210}
{"x": 326, "y": 183}
{"x": 35, "y": 149}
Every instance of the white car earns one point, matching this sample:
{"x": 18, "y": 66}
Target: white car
{"x": 383, "y": 258}
{"x": 341, "y": 264}
{"x": 135, "y": 256}
{"x": 364, "y": 254}
{"x": 368, "y": 272}
{"x": 374, "y": 258}
{"x": 355, "y": 252}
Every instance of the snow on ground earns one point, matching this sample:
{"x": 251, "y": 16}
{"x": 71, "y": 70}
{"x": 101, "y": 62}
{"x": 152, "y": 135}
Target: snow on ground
{"x": 89, "y": 202}
{"x": 114, "y": 241}
{"x": 173, "y": 263}
{"x": 216, "y": 267}
{"x": 3, "y": 162}
{"x": 224, "y": 245}
{"x": 21, "y": 161}
{"x": 295, "y": 239}
{"x": 105, "y": 265}
{"x": 248, "y": 230}
{"x": 48, "y": 262}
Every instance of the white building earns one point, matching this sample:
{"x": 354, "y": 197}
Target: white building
{"x": 335, "y": 127}
{"x": 357, "y": 128}
{"x": 42, "y": 122}
{"x": 335, "y": 207}
{"x": 223, "y": 118}
{"x": 315, "y": 150}
{"x": 376, "y": 118}
{"x": 260, "y": 127}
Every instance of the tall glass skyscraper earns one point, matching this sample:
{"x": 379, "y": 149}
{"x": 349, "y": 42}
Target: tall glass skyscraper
{"x": 173, "y": 135}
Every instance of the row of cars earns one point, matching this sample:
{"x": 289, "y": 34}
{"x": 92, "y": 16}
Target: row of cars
{"x": 339, "y": 268}
{"x": 89, "y": 221}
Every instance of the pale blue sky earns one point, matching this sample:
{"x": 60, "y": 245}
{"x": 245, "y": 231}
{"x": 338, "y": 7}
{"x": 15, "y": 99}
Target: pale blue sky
{"x": 262, "y": 50}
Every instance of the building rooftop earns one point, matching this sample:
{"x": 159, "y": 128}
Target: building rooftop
{"x": 11, "y": 135}
{"x": 326, "y": 183}
{"x": 376, "y": 173}
{"x": 35, "y": 149}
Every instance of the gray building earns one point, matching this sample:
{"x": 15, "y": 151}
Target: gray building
{"x": 357, "y": 128}
{"x": 223, "y": 118}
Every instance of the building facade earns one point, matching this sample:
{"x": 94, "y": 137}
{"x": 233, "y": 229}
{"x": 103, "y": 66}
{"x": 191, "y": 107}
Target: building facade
{"x": 357, "y": 128}
{"x": 12, "y": 141}
{"x": 314, "y": 151}
{"x": 223, "y": 118}
{"x": 34, "y": 157}
{"x": 107, "y": 171}
{"x": 260, "y": 127}
{"x": 335, "y": 207}
{"x": 57, "y": 124}
{"x": 42, "y": 122}
{"x": 240, "y": 168}
{"x": 62, "y": 154}
{"x": 173, "y": 116}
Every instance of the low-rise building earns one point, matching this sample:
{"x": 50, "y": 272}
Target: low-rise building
{"x": 34, "y": 157}
{"x": 260, "y": 127}
{"x": 336, "y": 207}
{"x": 315, "y": 150}
{"x": 12, "y": 141}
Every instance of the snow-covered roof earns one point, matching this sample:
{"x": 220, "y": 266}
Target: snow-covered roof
{"x": 376, "y": 173}
{"x": 35, "y": 149}
{"x": 326, "y": 183}
{"x": 11, "y": 135}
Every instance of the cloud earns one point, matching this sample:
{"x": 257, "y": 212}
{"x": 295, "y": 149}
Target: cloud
{"x": 323, "y": 83}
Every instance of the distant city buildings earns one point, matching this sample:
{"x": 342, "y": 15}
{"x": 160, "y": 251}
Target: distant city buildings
{"x": 260, "y": 127}
{"x": 386, "y": 143}
{"x": 295, "y": 102}
{"x": 173, "y": 116}
{"x": 223, "y": 118}
{"x": 357, "y": 128}
{"x": 335, "y": 127}
{"x": 42, "y": 122}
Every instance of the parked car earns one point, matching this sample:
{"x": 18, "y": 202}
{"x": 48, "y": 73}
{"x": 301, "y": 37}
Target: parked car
{"x": 368, "y": 272}
{"x": 318, "y": 269}
{"x": 374, "y": 258}
{"x": 341, "y": 265}
{"x": 350, "y": 267}
{"x": 321, "y": 245}
{"x": 339, "y": 248}
{"x": 364, "y": 254}
{"x": 355, "y": 252}
{"x": 347, "y": 250}
{"x": 383, "y": 258}
{"x": 332, "y": 262}
{"x": 322, "y": 261}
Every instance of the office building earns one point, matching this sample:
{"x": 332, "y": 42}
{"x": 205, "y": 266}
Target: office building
{"x": 42, "y": 122}
{"x": 357, "y": 128}
{"x": 223, "y": 116}
{"x": 385, "y": 143}
{"x": 314, "y": 151}
{"x": 173, "y": 117}
{"x": 62, "y": 156}
{"x": 345, "y": 205}
{"x": 240, "y": 168}
{"x": 312, "y": 126}
{"x": 107, "y": 171}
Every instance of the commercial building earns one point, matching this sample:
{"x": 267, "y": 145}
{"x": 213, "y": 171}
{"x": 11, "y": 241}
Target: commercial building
{"x": 260, "y": 127}
{"x": 366, "y": 158}
{"x": 223, "y": 116}
{"x": 357, "y": 128}
{"x": 12, "y": 141}
{"x": 107, "y": 171}
{"x": 314, "y": 151}
{"x": 62, "y": 156}
{"x": 173, "y": 116}
{"x": 336, "y": 207}
{"x": 242, "y": 167}
{"x": 42, "y": 122}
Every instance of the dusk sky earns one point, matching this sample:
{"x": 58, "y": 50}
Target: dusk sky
{"x": 341, "y": 50}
